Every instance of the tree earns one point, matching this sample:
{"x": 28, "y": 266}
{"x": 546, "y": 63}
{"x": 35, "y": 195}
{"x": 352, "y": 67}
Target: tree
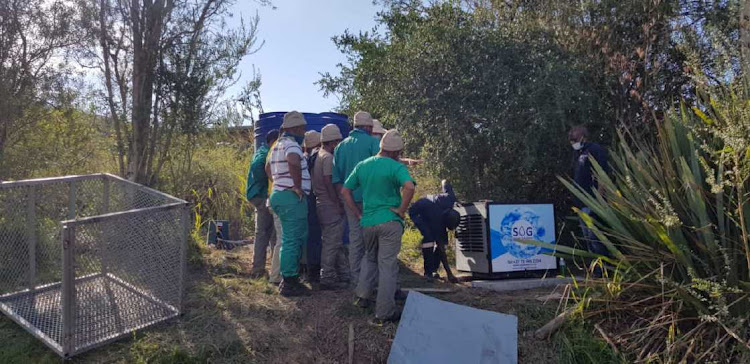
{"x": 33, "y": 37}
{"x": 165, "y": 63}
{"x": 486, "y": 109}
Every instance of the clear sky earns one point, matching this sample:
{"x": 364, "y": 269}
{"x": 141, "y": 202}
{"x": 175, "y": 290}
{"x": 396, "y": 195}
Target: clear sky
{"x": 298, "y": 47}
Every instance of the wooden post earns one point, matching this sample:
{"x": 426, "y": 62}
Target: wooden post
{"x": 68, "y": 290}
{"x": 31, "y": 234}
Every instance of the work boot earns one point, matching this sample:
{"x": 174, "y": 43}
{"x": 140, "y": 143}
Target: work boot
{"x": 382, "y": 321}
{"x": 258, "y": 274}
{"x": 291, "y": 287}
{"x": 400, "y": 295}
{"x": 362, "y": 302}
{"x": 313, "y": 276}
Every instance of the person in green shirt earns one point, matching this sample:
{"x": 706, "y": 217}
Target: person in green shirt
{"x": 387, "y": 188}
{"x": 358, "y": 146}
{"x": 256, "y": 193}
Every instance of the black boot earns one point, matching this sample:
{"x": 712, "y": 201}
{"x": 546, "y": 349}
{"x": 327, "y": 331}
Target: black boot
{"x": 291, "y": 287}
{"x": 313, "y": 276}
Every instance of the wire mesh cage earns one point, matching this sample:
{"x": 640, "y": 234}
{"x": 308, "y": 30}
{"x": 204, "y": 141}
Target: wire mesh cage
{"x": 86, "y": 260}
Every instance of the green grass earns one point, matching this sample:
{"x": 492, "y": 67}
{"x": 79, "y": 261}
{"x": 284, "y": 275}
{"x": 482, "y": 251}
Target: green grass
{"x": 17, "y": 346}
{"x": 576, "y": 344}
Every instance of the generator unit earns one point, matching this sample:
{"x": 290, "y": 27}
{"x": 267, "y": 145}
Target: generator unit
{"x": 489, "y": 239}
{"x": 472, "y": 250}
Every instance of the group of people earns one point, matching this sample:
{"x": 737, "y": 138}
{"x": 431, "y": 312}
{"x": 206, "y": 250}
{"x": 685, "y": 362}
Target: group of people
{"x": 308, "y": 187}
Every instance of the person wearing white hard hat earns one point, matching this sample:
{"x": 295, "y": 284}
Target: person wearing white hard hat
{"x": 377, "y": 129}
{"x": 334, "y": 260}
{"x": 291, "y": 185}
{"x": 358, "y": 146}
{"x": 387, "y": 188}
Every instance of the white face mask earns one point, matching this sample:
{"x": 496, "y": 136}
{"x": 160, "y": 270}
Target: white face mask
{"x": 577, "y": 145}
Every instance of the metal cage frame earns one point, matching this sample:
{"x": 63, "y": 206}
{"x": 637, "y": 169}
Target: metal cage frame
{"x": 105, "y": 280}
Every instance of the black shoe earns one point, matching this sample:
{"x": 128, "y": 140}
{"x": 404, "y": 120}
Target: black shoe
{"x": 291, "y": 287}
{"x": 362, "y": 302}
{"x": 400, "y": 295}
{"x": 435, "y": 275}
{"x": 382, "y": 321}
{"x": 428, "y": 278}
{"x": 313, "y": 274}
{"x": 258, "y": 274}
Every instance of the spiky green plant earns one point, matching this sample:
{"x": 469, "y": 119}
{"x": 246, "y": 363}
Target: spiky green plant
{"x": 674, "y": 216}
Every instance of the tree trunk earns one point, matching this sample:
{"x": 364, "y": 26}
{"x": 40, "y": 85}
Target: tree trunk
{"x": 104, "y": 5}
{"x": 745, "y": 37}
{"x": 146, "y": 26}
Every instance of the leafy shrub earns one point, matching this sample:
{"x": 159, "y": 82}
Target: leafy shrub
{"x": 674, "y": 217}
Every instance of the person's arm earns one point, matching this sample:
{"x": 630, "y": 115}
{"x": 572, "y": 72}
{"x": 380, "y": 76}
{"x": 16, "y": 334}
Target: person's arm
{"x": 337, "y": 174}
{"x": 268, "y": 167}
{"x": 250, "y": 180}
{"x": 327, "y": 170}
{"x": 349, "y": 202}
{"x": 411, "y": 162}
{"x": 294, "y": 161}
{"x": 407, "y": 193}
{"x": 351, "y": 184}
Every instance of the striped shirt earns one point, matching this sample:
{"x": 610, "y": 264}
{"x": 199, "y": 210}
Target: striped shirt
{"x": 282, "y": 179}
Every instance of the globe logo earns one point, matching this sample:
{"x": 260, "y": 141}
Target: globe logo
{"x": 517, "y": 225}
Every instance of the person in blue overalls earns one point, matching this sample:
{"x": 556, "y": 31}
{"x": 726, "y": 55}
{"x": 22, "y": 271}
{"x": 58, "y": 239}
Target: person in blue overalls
{"x": 585, "y": 177}
{"x": 434, "y": 215}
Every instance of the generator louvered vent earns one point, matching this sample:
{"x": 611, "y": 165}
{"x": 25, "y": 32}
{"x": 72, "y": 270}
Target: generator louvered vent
{"x": 470, "y": 233}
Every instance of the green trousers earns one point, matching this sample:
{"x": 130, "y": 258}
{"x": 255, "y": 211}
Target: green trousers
{"x": 293, "y": 215}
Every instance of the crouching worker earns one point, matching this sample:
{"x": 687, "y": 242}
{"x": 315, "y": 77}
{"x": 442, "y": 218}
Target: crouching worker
{"x": 334, "y": 261}
{"x": 291, "y": 185}
{"x": 434, "y": 215}
{"x": 387, "y": 188}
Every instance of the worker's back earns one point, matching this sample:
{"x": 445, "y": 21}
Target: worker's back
{"x": 357, "y": 147}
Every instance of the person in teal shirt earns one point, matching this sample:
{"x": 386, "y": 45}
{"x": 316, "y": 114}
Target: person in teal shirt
{"x": 387, "y": 188}
{"x": 257, "y": 194}
{"x": 358, "y": 146}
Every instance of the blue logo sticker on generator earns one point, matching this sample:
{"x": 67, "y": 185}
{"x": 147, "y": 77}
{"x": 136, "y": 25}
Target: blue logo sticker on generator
{"x": 512, "y": 224}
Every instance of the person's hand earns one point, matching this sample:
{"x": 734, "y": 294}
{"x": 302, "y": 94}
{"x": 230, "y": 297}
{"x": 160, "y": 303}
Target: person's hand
{"x": 399, "y": 212}
{"x": 299, "y": 192}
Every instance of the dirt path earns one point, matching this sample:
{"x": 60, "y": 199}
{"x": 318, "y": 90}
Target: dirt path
{"x": 230, "y": 318}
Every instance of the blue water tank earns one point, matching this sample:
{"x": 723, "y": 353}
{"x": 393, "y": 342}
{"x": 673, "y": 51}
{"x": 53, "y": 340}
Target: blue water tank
{"x": 272, "y": 120}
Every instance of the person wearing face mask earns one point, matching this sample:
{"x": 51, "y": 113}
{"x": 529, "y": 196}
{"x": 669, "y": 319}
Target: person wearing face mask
{"x": 291, "y": 186}
{"x": 358, "y": 146}
{"x": 584, "y": 176}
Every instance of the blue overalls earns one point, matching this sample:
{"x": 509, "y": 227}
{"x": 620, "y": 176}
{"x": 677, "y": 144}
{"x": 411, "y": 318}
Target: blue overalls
{"x": 427, "y": 215}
